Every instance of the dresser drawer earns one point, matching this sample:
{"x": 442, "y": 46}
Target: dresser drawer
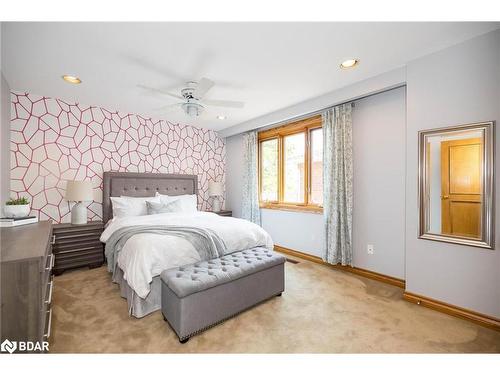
{"x": 47, "y": 293}
{"x": 46, "y": 323}
{"x": 48, "y": 264}
{"x": 46, "y": 285}
{"x": 48, "y": 259}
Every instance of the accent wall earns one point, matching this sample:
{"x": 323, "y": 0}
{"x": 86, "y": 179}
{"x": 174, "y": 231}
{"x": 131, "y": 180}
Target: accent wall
{"x": 53, "y": 141}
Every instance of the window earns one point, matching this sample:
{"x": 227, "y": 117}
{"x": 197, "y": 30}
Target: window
{"x": 294, "y": 167}
{"x": 291, "y": 166}
{"x": 269, "y": 170}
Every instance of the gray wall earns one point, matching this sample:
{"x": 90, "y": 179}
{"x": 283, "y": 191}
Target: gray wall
{"x": 373, "y": 85}
{"x": 379, "y": 154}
{"x": 300, "y": 231}
{"x": 379, "y": 182}
{"x": 458, "y": 85}
{"x": 4, "y": 141}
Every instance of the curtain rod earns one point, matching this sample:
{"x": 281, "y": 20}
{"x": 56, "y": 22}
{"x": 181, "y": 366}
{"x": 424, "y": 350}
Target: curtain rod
{"x": 319, "y": 111}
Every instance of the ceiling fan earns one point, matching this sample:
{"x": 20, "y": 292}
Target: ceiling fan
{"x": 192, "y": 96}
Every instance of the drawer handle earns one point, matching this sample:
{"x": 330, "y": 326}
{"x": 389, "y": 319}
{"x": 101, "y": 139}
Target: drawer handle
{"x": 49, "y": 326}
{"x": 49, "y": 300}
{"x": 51, "y": 263}
{"x": 53, "y": 242}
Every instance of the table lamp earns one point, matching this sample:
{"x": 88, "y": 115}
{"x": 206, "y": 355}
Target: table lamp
{"x": 79, "y": 192}
{"x": 215, "y": 189}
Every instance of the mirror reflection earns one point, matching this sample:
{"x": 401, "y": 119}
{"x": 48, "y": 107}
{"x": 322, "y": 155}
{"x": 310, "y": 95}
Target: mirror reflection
{"x": 455, "y": 164}
{"x": 455, "y": 184}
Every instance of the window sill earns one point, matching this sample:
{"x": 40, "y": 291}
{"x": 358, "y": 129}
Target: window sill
{"x": 292, "y": 207}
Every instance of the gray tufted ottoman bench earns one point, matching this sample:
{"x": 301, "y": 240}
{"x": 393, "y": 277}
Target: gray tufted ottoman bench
{"x": 198, "y": 296}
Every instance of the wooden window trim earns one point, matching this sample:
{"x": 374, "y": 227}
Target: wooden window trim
{"x": 303, "y": 126}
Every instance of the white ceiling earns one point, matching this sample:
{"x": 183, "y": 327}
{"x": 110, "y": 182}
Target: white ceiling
{"x": 267, "y": 65}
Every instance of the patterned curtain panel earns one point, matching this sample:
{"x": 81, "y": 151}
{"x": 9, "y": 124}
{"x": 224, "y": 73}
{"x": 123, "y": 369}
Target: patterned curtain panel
{"x": 337, "y": 184}
{"x": 250, "y": 206}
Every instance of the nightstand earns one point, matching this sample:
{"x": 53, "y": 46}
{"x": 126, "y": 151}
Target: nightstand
{"x": 223, "y": 213}
{"x": 77, "y": 246}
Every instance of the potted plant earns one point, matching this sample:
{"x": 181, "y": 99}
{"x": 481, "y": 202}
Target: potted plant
{"x": 15, "y": 208}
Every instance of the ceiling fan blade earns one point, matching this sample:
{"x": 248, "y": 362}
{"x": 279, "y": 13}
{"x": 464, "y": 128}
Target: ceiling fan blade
{"x": 158, "y": 91}
{"x": 202, "y": 87}
{"x": 168, "y": 107}
{"x": 224, "y": 103}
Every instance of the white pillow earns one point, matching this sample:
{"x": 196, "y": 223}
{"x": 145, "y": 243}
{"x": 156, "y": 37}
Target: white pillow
{"x": 163, "y": 207}
{"x": 188, "y": 203}
{"x": 131, "y": 206}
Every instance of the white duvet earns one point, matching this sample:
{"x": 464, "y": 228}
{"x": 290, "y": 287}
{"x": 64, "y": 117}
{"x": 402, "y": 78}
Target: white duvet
{"x": 145, "y": 256}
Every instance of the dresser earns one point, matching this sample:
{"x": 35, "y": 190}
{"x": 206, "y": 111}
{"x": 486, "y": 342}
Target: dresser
{"x": 77, "y": 246}
{"x": 26, "y": 289}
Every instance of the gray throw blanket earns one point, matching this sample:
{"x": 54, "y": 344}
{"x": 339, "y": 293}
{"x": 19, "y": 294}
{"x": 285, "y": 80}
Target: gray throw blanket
{"x": 206, "y": 242}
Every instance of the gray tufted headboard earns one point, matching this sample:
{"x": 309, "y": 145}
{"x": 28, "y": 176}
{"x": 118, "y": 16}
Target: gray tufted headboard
{"x": 130, "y": 184}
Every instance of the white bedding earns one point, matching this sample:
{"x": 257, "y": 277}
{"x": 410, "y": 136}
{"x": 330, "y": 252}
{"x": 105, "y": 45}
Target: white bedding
{"x": 145, "y": 256}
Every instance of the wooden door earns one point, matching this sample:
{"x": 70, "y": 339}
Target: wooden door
{"x": 461, "y": 188}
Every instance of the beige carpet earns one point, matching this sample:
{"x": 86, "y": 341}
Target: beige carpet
{"x": 321, "y": 311}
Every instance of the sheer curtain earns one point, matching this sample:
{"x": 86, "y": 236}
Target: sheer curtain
{"x": 250, "y": 206}
{"x": 337, "y": 184}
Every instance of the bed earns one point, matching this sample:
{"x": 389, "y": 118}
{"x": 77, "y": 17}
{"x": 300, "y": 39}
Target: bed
{"x": 145, "y": 256}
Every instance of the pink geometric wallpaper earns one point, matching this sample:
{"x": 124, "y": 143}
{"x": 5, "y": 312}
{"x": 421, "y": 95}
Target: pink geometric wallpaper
{"x": 53, "y": 141}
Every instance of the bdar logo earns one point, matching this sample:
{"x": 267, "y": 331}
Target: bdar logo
{"x": 8, "y": 346}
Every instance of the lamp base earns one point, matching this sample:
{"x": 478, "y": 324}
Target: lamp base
{"x": 216, "y": 205}
{"x": 79, "y": 214}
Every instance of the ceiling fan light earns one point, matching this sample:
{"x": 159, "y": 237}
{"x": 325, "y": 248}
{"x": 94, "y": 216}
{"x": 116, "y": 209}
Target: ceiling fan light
{"x": 192, "y": 109}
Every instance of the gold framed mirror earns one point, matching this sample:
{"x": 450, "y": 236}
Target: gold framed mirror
{"x": 456, "y": 174}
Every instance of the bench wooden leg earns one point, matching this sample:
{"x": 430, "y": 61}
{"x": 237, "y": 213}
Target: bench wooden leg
{"x": 183, "y": 341}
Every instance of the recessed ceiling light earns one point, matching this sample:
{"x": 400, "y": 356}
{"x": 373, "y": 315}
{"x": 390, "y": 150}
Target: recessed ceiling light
{"x": 221, "y": 117}
{"x": 350, "y": 63}
{"x": 72, "y": 79}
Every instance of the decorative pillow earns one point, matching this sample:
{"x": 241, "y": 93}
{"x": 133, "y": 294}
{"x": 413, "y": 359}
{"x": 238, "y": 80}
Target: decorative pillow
{"x": 163, "y": 207}
{"x": 131, "y": 206}
{"x": 188, "y": 202}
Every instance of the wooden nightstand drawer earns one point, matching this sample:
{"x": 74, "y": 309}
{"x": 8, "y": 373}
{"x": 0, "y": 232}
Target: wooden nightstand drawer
{"x": 77, "y": 246}
{"x": 61, "y": 238}
{"x": 81, "y": 259}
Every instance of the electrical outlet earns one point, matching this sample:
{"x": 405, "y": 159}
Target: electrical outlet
{"x": 370, "y": 249}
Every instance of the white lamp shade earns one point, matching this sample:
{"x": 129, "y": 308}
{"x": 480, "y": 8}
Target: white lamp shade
{"x": 215, "y": 188}
{"x": 79, "y": 191}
